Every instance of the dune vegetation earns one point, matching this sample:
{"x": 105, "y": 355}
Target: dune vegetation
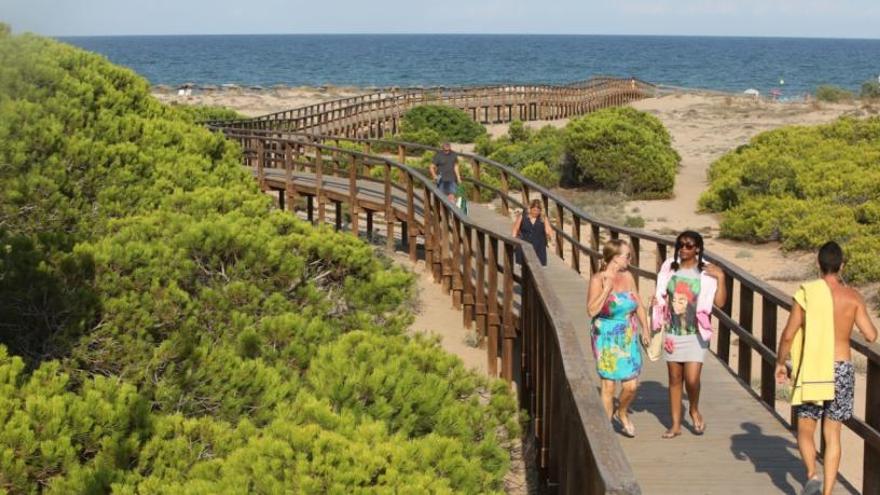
{"x": 164, "y": 330}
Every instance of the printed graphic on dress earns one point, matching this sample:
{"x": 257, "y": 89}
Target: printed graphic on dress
{"x": 683, "y": 293}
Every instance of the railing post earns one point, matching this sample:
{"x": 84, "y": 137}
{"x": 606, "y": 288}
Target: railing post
{"x": 475, "y": 194}
{"x": 319, "y": 184}
{"x": 352, "y": 195}
{"x": 261, "y": 157}
{"x": 768, "y": 338}
{"x": 509, "y": 325}
{"x": 457, "y": 275}
{"x": 480, "y": 308}
{"x": 401, "y": 154}
{"x": 723, "y": 351}
{"x": 636, "y": 250}
{"x": 871, "y": 462}
{"x": 505, "y": 189}
{"x": 289, "y": 188}
{"x": 575, "y": 249}
{"x": 560, "y": 226}
{"x": 494, "y": 321}
{"x": 594, "y": 243}
{"x": 746, "y": 311}
{"x": 411, "y": 219}
{"x": 468, "y": 286}
{"x": 389, "y": 209}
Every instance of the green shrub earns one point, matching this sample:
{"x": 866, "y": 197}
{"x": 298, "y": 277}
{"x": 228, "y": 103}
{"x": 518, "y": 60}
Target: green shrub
{"x": 538, "y": 172}
{"x": 832, "y": 94}
{"x": 804, "y": 186}
{"x": 518, "y": 132}
{"x": 621, "y": 149}
{"x": 172, "y": 329}
{"x": 451, "y": 124}
{"x": 424, "y": 135}
{"x": 200, "y": 113}
{"x": 870, "y": 90}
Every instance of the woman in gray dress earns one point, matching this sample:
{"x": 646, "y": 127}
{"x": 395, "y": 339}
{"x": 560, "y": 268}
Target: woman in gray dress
{"x": 687, "y": 287}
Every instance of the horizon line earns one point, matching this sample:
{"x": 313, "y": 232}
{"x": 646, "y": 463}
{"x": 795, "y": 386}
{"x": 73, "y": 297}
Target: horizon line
{"x": 730, "y": 36}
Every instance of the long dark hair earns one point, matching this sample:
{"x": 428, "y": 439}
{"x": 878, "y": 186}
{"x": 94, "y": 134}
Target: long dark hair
{"x": 698, "y": 240}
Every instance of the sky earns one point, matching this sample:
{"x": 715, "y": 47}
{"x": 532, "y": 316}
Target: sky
{"x": 777, "y": 18}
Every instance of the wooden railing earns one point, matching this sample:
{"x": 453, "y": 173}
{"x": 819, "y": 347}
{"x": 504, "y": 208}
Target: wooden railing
{"x": 557, "y": 380}
{"x": 378, "y": 115}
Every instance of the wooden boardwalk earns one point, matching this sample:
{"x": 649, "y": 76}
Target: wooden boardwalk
{"x": 745, "y": 449}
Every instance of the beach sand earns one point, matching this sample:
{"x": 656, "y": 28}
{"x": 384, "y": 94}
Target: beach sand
{"x": 254, "y": 102}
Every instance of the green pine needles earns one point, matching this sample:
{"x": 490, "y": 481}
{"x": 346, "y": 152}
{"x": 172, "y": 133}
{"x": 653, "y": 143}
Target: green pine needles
{"x": 165, "y": 330}
{"x": 804, "y": 186}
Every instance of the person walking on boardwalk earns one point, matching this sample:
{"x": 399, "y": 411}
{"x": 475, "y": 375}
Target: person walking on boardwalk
{"x": 618, "y": 320}
{"x": 444, "y": 171}
{"x": 687, "y": 287}
{"x": 817, "y": 336}
{"x": 532, "y": 228}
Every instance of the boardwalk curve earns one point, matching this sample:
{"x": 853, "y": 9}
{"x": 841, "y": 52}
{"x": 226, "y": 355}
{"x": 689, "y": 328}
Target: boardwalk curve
{"x": 529, "y": 316}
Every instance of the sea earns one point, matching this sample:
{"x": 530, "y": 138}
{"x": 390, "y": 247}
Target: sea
{"x": 790, "y": 67}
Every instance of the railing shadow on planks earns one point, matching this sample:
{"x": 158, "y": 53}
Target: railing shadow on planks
{"x": 577, "y": 450}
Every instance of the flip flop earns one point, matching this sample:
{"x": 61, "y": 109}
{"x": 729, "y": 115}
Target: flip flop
{"x": 813, "y": 486}
{"x": 628, "y": 430}
{"x": 670, "y": 434}
{"x": 699, "y": 428}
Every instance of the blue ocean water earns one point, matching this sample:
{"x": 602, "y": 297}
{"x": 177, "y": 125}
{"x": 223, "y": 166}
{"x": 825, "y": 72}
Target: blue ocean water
{"x": 729, "y": 64}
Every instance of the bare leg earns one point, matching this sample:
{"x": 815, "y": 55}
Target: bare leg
{"x": 676, "y": 375}
{"x": 627, "y": 395}
{"x": 692, "y": 383}
{"x": 608, "y": 397}
{"x": 831, "y": 459}
{"x": 806, "y": 429}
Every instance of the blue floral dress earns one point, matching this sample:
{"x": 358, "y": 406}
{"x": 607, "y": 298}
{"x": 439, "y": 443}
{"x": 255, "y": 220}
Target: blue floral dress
{"x": 615, "y": 340}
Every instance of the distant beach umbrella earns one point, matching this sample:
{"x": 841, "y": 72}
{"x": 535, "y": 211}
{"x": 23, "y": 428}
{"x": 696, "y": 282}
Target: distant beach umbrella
{"x": 752, "y": 92}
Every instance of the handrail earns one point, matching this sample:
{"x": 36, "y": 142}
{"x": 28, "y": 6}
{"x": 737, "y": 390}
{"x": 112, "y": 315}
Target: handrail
{"x": 375, "y": 114}
{"x": 568, "y": 221}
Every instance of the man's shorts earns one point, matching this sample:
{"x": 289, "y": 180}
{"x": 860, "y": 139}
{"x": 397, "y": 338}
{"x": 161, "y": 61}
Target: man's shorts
{"x": 447, "y": 186}
{"x": 839, "y": 409}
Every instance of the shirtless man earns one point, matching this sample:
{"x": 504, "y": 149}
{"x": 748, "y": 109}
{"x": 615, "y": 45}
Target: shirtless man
{"x": 849, "y": 309}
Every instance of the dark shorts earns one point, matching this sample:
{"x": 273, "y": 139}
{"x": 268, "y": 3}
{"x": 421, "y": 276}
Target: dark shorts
{"x": 447, "y": 186}
{"x": 839, "y": 409}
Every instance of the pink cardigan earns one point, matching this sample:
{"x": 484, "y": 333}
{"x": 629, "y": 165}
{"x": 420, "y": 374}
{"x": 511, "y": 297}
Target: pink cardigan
{"x": 660, "y": 310}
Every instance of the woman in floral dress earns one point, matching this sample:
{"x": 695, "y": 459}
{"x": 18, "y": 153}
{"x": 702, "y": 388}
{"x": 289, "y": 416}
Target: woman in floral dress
{"x": 618, "y": 318}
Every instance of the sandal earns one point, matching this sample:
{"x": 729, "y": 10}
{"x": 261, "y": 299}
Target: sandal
{"x": 699, "y": 427}
{"x": 670, "y": 434}
{"x": 629, "y": 430}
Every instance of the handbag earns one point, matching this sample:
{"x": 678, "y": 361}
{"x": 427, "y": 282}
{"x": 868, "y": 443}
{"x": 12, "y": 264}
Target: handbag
{"x": 461, "y": 200}
{"x": 655, "y": 345}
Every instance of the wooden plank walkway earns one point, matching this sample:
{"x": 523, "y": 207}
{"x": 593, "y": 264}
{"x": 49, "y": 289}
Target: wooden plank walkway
{"x": 745, "y": 448}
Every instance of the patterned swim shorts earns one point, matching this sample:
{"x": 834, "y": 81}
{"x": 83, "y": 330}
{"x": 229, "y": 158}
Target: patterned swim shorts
{"x": 841, "y": 408}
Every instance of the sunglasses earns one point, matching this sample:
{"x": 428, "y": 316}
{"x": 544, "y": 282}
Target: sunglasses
{"x": 687, "y": 245}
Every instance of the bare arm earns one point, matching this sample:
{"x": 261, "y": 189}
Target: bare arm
{"x": 457, "y": 173}
{"x": 516, "y": 224}
{"x": 641, "y": 313}
{"x": 548, "y": 230}
{"x": 433, "y": 170}
{"x": 863, "y": 321}
{"x": 600, "y": 287}
{"x": 721, "y": 291}
{"x": 795, "y": 322}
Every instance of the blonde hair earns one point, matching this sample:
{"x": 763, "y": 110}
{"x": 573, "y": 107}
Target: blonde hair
{"x": 536, "y": 203}
{"x": 611, "y": 249}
